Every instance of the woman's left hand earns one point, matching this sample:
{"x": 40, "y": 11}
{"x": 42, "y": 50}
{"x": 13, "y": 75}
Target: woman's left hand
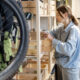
{"x": 50, "y": 37}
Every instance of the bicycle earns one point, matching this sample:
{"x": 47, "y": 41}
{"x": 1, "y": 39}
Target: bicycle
{"x": 22, "y": 38}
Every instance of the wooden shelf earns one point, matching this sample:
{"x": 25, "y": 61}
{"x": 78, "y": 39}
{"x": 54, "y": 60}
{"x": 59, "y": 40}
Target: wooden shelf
{"x": 31, "y": 4}
{"x": 46, "y": 8}
{"x": 41, "y": 60}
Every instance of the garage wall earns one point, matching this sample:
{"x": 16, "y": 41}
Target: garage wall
{"x": 76, "y": 8}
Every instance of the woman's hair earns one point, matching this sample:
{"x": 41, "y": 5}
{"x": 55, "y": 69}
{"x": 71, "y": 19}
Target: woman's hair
{"x": 63, "y": 9}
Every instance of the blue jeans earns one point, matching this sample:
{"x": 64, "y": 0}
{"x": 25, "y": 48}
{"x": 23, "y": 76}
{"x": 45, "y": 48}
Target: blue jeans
{"x": 70, "y": 73}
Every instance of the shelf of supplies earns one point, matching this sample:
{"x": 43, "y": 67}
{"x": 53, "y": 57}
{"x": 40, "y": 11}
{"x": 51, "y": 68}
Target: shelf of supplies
{"x": 38, "y": 56}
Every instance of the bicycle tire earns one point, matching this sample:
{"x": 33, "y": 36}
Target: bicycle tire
{"x": 10, "y": 71}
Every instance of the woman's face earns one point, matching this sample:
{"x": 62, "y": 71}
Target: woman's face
{"x": 62, "y": 19}
{"x": 58, "y": 17}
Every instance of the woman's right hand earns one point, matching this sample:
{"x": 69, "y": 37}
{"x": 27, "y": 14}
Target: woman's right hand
{"x": 50, "y": 37}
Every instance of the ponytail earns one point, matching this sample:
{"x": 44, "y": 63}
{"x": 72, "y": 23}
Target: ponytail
{"x": 74, "y": 20}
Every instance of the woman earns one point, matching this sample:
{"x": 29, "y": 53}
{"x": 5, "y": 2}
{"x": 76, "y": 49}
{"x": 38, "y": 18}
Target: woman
{"x": 66, "y": 42}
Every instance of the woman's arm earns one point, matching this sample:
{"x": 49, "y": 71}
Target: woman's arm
{"x": 66, "y": 48}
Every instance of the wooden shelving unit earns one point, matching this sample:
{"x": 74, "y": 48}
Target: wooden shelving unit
{"x": 39, "y": 62}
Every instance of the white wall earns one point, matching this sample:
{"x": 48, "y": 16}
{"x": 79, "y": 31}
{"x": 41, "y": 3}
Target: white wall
{"x": 76, "y": 8}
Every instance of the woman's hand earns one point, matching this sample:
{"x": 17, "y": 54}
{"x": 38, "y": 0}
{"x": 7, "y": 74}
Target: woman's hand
{"x": 50, "y": 37}
{"x": 47, "y": 35}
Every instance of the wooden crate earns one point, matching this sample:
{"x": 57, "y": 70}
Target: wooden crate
{"x": 46, "y": 45}
{"x": 32, "y": 50}
{"x": 25, "y": 76}
{"x": 28, "y": 4}
{"x": 25, "y": 4}
{"x": 33, "y": 35}
{"x": 30, "y": 70}
{"x": 33, "y": 10}
{"x": 33, "y": 64}
{"x": 33, "y": 44}
{"x": 30, "y": 76}
{"x": 33, "y": 70}
{"x": 31, "y": 4}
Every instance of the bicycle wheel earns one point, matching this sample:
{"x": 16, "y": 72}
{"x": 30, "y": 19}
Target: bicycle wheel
{"x": 22, "y": 38}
